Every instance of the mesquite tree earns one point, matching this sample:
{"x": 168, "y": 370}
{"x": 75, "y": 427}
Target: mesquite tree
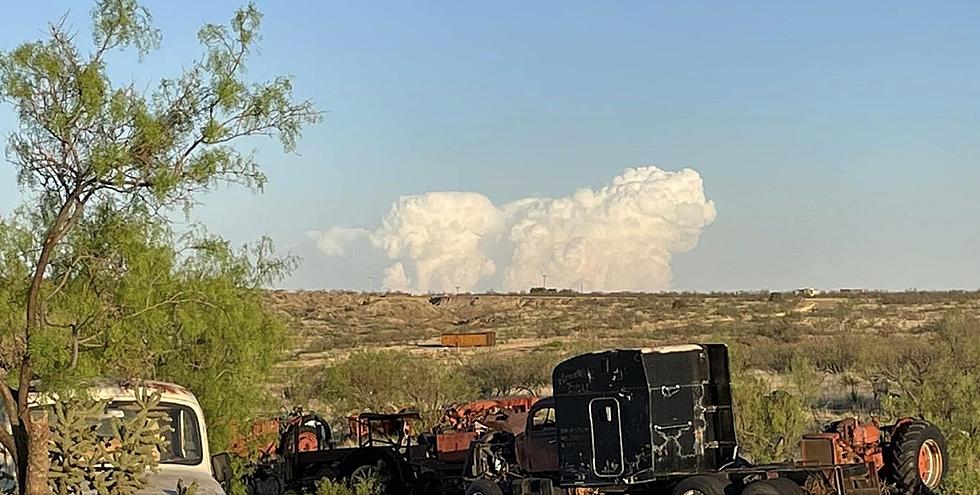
{"x": 89, "y": 151}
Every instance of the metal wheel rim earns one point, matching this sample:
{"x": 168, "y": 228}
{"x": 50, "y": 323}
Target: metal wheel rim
{"x": 365, "y": 473}
{"x": 369, "y": 472}
{"x": 930, "y": 463}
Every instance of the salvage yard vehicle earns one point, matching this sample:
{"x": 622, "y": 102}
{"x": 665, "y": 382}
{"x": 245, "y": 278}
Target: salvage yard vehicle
{"x": 380, "y": 446}
{"x": 658, "y": 420}
{"x": 521, "y": 460}
{"x": 662, "y": 419}
{"x": 187, "y": 458}
{"x": 306, "y": 452}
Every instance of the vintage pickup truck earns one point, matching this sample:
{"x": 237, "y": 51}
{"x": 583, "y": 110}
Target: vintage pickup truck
{"x": 187, "y": 459}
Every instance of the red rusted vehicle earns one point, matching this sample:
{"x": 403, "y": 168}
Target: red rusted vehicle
{"x": 461, "y": 424}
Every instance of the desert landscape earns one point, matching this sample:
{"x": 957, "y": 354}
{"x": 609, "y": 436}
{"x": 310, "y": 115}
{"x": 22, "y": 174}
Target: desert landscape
{"x": 329, "y": 324}
{"x": 799, "y": 360}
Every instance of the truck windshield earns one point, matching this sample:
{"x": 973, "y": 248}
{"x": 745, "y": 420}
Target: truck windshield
{"x": 183, "y": 436}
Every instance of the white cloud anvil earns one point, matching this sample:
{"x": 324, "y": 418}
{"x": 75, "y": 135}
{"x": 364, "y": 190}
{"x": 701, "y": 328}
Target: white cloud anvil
{"x": 618, "y": 237}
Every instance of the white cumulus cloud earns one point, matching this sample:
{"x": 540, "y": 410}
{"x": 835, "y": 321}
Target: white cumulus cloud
{"x": 620, "y": 236}
{"x": 335, "y": 240}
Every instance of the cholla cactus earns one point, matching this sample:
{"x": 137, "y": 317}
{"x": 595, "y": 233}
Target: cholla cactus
{"x": 183, "y": 489}
{"x": 110, "y": 455}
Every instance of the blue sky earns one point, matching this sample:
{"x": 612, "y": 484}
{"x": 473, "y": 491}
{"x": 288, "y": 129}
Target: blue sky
{"x": 839, "y": 140}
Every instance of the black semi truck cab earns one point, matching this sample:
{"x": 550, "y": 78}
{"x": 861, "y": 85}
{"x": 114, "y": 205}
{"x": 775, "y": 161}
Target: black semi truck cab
{"x": 631, "y": 416}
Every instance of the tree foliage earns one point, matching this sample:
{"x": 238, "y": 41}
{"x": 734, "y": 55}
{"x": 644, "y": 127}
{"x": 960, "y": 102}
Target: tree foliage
{"x": 93, "y": 280}
{"x": 389, "y": 381}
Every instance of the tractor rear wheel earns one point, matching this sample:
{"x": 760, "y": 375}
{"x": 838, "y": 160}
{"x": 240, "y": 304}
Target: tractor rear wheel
{"x": 917, "y": 458}
{"x": 766, "y": 487}
{"x": 483, "y": 487}
{"x": 788, "y": 486}
{"x": 376, "y": 473}
{"x": 702, "y": 485}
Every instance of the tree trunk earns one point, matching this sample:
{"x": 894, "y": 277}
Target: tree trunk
{"x": 38, "y": 461}
{"x": 35, "y": 482}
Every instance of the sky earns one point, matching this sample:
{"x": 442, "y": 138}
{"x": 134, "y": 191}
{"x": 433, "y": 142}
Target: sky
{"x": 836, "y": 140}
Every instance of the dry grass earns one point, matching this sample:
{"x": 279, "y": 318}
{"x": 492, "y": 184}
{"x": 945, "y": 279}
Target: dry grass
{"x": 329, "y": 324}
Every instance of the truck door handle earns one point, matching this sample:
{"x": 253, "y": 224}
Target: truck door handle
{"x": 673, "y": 427}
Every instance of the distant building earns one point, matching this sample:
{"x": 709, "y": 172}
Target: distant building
{"x": 805, "y": 292}
{"x": 543, "y": 290}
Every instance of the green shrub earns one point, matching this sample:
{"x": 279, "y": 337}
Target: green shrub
{"x": 768, "y": 422}
{"x": 805, "y": 379}
{"x": 389, "y": 381}
{"x": 838, "y": 354}
{"x": 497, "y": 375}
{"x": 329, "y": 487}
{"x": 940, "y": 380}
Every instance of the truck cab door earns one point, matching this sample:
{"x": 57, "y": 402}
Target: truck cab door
{"x": 537, "y": 447}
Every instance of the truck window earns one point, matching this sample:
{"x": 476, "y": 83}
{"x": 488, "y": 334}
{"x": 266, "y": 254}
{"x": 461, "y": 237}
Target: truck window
{"x": 183, "y": 436}
{"x": 543, "y": 418}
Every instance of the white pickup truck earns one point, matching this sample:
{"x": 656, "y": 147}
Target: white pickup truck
{"x": 187, "y": 459}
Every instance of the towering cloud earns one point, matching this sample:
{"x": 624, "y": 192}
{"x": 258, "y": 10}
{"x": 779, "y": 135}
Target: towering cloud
{"x": 618, "y": 237}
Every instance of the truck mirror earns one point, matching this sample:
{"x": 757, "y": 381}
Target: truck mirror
{"x": 221, "y": 466}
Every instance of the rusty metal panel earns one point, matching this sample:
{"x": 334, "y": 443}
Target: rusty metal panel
{"x": 476, "y": 339}
{"x": 454, "y": 446}
{"x": 818, "y": 450}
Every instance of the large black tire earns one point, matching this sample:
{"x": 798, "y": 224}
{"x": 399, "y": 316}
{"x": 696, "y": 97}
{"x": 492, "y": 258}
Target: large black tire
{"x": 917, "y": 458}
{"x": 787, "y": 486}
{"x": 265, "y": 486}
{"x": 766, "y": 487}
{"x": 702, "y": 485}
{"x": 483, "y": 487}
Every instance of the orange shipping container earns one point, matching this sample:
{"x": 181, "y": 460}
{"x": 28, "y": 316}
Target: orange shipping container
{"x": 479, "y": 339}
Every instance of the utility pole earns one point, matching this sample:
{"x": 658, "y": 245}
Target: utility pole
{"x": 457, "y": 290}
{"x": 544, "y": 281}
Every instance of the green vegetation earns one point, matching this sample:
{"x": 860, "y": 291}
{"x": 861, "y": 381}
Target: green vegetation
{"x": 390, "y": 381}
{"x": 327, "y": 487}
{"x": 93, "y": 279}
